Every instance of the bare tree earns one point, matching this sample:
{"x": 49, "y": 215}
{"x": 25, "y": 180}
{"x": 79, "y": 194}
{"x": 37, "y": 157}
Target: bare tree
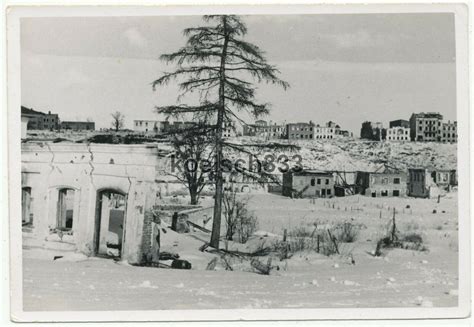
{"x": 117, "y": 120}
{"x": 216, "y": 63}
{"x": 192, "y": 150}
{"x": 239, "y": 220}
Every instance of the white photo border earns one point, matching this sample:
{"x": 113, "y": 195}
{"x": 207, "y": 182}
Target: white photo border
{"x": 14, "y": 15}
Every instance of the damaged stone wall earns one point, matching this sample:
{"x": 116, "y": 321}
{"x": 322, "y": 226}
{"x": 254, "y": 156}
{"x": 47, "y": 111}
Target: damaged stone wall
{"x": 130, "y": 170}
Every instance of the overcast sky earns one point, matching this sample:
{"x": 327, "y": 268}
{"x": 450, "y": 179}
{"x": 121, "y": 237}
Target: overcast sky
{"x": 345, "y": 68}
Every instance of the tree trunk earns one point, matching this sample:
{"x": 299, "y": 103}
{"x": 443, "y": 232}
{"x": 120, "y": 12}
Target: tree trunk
{"x": 216, "y": 224}
{"x": 193, "y": 193}
{"x": 194, "y": 199}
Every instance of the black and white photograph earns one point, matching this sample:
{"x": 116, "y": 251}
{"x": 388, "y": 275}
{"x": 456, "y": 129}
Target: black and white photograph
{"x": 245, "y": 160}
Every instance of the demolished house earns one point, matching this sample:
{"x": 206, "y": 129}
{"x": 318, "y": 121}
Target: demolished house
{"x": 383, "y": 182}
{"x": 308, "y": 184}
{"x": 92, "y": 198}
{"x": 345, "y": 183}
{"x": 430, "y": 182}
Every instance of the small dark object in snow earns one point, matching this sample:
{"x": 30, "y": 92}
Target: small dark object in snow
{"x": 57, "y": 257}
{"x": 180, "y": 264}
{"x": 434, "y": 211}
{"x": 168, "y": 256}
{"x": 408, "y": 206}
{"x": 443, "y": 211}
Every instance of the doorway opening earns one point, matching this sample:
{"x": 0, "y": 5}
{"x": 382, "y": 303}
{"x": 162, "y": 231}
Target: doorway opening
{"x": 26, "y": 215}
{"x": 65, "y": 209}
{"x": 110, "y": 223}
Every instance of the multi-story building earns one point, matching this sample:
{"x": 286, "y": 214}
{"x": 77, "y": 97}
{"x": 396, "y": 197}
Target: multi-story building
{"x": 373, "y": 131}
{"x": 78, "y": 125}
{"x": 398, "y": 133}
{"x": 426, "y": 127}
{"x": 265, "y": 130}
{"x": 449, "y": 132}
{"x": 300, "y": 131}
{"x": 400, "y": 123}
{"x": 39, "y": 120}
{"x": 329, "y": 131}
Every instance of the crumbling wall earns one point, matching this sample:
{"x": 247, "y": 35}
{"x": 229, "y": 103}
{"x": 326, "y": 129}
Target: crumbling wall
{"x": 88, "y": 169}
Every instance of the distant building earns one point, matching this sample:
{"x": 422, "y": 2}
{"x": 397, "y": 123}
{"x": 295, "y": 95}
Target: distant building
{"x": 308, "y": 183}
{"x": 300, "y": 131}
{"x": 345, "y": 133}
{"x": 400, "y": 123}
{"x": 38, "y": 120}
{"x": 373, "y": 131}
{"x": 398, "y": 134}
{"x": 449, "y": 132}
{"x": 427, "y": 183}
{"x": 228, "y": 130}
{"x": 78, "y": 125}
{"x": 148, "y": 126}
{"x": 159, "y": 127}
{"x": 329, "y": 131}
{"x": 264, "y": 130}
{"x": 384, "y": 182}
{"x": 426, "y": 127}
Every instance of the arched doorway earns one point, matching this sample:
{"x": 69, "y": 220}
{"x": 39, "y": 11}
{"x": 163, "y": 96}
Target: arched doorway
{"x": 110, "y": 223}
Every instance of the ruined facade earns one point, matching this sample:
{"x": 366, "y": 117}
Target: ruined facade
{"x": 427, "y": 183}
{"x": 308, "y": 183}
{"x": 398, "y": 134}
{"x": 96, "y": 198}
{"x": 426, "y": 127}
{"x": 300, "y": 131}
{"x": 78, "y": 125}
{"x": 382, "y": 183}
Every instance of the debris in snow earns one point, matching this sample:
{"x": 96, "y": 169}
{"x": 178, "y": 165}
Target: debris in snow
{"x": 391, "y": 279}
{"x": 336, "y": 265}
{"x": 424, "y": 261}
{"x": 181, "y": 264}
{"x": 333, "y": 279}
{"x": 315, "y": 282}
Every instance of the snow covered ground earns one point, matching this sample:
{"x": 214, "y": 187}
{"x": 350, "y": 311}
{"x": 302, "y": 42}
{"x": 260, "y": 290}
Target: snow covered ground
{"x": 399, "y": 278}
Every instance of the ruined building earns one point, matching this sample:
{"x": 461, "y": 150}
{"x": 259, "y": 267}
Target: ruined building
{"x": 426, "y": 127}
{"x": 384, "y": 182}
{"x": 96, "y": 198}
{"x": 308, "y": 183}
{"x": 428, "y": 183}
